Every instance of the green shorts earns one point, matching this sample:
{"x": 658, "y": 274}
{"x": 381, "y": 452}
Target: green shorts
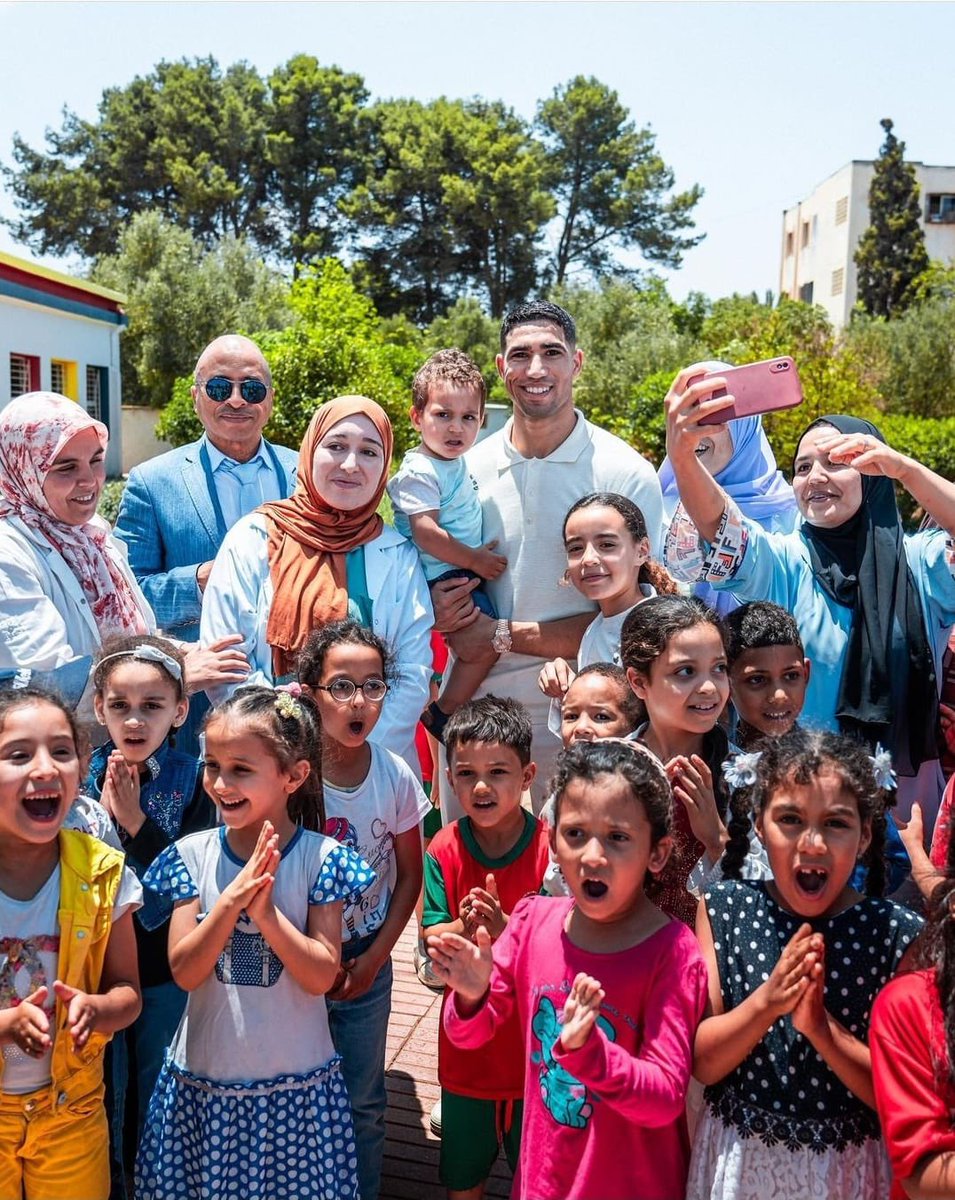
{"x": 431, "y": 824}
{"x": 472, "y": 1132}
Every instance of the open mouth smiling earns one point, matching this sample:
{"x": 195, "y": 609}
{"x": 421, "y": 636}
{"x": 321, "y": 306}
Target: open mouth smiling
{"x": 42, "y": 806}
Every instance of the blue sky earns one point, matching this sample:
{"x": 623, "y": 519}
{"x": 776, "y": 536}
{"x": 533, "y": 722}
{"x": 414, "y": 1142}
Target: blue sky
{"x": 757, "y": 102}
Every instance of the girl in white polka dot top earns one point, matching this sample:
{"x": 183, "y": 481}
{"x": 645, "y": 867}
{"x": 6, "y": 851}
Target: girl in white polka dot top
{"x": 250, "y": 1101}
{"x": 795, "y": 964}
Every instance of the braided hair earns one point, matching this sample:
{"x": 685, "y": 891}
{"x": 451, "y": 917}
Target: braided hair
{"x": 799, "y": 757}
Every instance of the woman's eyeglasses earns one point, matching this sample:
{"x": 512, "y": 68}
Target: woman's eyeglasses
{"x": 219, "y": 389}
{"x": 342, "y": 690}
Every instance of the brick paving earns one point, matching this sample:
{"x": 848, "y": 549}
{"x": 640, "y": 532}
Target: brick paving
{"x": 410, "y": 1169}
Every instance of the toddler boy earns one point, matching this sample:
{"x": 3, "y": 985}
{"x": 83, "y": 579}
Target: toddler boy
{"x": 436, "y": 502}
{"x": 475, "y": 871}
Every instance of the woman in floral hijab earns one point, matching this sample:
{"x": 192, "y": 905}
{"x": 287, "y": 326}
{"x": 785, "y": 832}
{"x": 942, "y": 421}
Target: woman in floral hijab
{"x": 64, "y": 581}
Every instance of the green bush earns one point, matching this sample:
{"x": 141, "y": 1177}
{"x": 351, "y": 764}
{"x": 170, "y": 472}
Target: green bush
{"x": 336, "y": 345}
{"x": 929, "y": 441}
{"x": 109, "y": 500}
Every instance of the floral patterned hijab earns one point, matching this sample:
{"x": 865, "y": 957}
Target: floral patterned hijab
{"x": 34, "y": 431}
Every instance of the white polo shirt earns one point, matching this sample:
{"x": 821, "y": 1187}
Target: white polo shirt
{"x": 524, "y": 502}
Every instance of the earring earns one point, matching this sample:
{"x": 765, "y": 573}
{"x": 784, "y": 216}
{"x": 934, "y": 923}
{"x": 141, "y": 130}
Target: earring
{"x": 564, "y": 580}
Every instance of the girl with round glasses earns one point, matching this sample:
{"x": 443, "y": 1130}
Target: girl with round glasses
{"x": 324, "y": 555}
{"x": 374, "y": 804}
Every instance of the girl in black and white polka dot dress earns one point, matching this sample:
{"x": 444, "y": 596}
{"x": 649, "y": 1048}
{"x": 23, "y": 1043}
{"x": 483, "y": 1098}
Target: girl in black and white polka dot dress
{"x": 795, "y": 964}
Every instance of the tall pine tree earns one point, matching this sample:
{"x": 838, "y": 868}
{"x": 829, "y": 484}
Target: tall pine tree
{"x": 891, "y": 253}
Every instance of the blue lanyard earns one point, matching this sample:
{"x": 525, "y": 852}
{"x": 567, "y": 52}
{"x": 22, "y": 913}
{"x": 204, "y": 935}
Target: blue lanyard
{"x": 213, "y": 493}
{"x": 211, "y": 482}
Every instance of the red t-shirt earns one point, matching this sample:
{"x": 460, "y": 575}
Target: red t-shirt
{"x": 910, "y": 1073}
{"x": 456, "y": 865}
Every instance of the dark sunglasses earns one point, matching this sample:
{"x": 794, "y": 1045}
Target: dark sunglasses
{"x": 219, "y": 389}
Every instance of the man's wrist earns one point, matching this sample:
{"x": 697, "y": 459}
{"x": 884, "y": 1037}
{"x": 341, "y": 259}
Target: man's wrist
{"x": 501, "y": 640}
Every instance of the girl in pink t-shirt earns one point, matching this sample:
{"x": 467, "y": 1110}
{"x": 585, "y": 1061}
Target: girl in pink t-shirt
{"x": 609, "y": 991}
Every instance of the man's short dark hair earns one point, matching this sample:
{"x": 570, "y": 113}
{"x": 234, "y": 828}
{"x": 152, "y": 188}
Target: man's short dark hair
{"x": 757, "y": 625}
{"x": 536, "y": 312}
{"x": 491, "y": 719}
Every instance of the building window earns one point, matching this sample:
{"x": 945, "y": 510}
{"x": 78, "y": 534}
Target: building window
{"x": 790, "y": 240}
{"x": 838, "y": 281}
{"x": 804, "y": 240}
{"x": 96, "y": 393}
{"x": 941, "y": 208}
{"x": 842, "y": 210}
{"x": 805, "y": 292}
{"x": 64, "y": 379}
{"x": 24, "y": 374}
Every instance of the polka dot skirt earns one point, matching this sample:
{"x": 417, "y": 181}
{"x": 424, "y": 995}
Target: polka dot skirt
{"x": 289, "y": 1138}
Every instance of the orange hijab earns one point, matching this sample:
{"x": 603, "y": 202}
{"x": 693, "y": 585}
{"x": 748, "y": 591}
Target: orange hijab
{"x": 308, "y": 539}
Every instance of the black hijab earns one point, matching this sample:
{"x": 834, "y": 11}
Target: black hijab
{"x": 862, "y": 564}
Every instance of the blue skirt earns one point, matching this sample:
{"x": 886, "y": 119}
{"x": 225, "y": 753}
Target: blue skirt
{"x": 288, "y": 1138}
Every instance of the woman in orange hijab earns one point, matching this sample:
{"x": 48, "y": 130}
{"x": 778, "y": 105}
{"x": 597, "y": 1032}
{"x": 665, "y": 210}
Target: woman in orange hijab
{"x": 324, "y": 554}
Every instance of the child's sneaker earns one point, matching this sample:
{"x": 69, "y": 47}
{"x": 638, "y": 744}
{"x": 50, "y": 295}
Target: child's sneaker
{"x": 424, "y": 968}
{"x": 435, "y": 1121}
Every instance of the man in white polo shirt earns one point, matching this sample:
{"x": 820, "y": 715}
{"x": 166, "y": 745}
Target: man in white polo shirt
{"x": 528, "y": 475}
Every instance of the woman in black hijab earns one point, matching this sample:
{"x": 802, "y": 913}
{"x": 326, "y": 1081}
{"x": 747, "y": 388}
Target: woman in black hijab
{"x": 873, "y": 605}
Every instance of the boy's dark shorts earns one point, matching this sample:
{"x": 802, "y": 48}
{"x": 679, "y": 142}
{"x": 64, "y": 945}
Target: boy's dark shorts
{"x": 481, "y": 599}
{"x": 472, "y": 1132}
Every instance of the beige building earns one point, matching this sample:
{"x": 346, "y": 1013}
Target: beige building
{"x": 820, "y": 233}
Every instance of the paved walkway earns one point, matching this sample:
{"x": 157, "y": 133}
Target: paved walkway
{"x": 410, "y": 1169}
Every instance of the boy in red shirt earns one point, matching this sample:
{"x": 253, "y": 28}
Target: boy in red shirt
{"x": 475, "y": 871}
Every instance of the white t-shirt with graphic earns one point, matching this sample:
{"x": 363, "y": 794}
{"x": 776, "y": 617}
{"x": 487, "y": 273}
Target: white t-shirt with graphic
{"x": 368, "y": 818}
{"x": 29, "y": 959}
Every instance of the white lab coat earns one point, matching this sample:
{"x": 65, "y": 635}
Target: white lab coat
{"x": 238, "y": 598}
{"x": 45, "y": 618}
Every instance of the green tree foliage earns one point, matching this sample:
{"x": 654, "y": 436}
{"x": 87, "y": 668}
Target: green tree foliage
{"x": 430, "y": 202}
{"x": 611, "y": 184}
{"x": 912, "y": 358}
{"x": 179, "y": 297}
{"x": 627, "y": 334}
{"x": 334, "y": 345}
{"x": 409, "y": 261}
{"x": 316, "y": 146}
{"x": 744, "y": 329}
{"x": 500, "y": 205}
{"x": 453, "y": 201}
{"x": 186, "y": 141}
{"x": 891, "y": 253}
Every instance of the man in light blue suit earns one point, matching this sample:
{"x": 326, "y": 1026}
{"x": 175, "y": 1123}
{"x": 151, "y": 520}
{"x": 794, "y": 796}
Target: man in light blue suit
{"x": 177, "y": 507}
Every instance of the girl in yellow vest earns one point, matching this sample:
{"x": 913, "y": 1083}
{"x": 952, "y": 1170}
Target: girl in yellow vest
{"x": 68, "y": 972}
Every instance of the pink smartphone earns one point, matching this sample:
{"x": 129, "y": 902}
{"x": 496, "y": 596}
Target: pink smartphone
{"x": 759, "y": 387}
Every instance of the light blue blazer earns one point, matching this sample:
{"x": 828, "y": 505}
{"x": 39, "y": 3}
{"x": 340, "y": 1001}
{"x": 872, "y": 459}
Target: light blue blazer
{"x": 169, "y": 522}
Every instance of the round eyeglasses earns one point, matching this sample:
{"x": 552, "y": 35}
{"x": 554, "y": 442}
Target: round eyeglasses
{"x": 219, "y": 389}
{"x": 342, "y": 690}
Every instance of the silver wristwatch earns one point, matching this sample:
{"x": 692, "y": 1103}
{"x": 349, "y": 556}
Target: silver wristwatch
{"x": 501, "y": 641}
